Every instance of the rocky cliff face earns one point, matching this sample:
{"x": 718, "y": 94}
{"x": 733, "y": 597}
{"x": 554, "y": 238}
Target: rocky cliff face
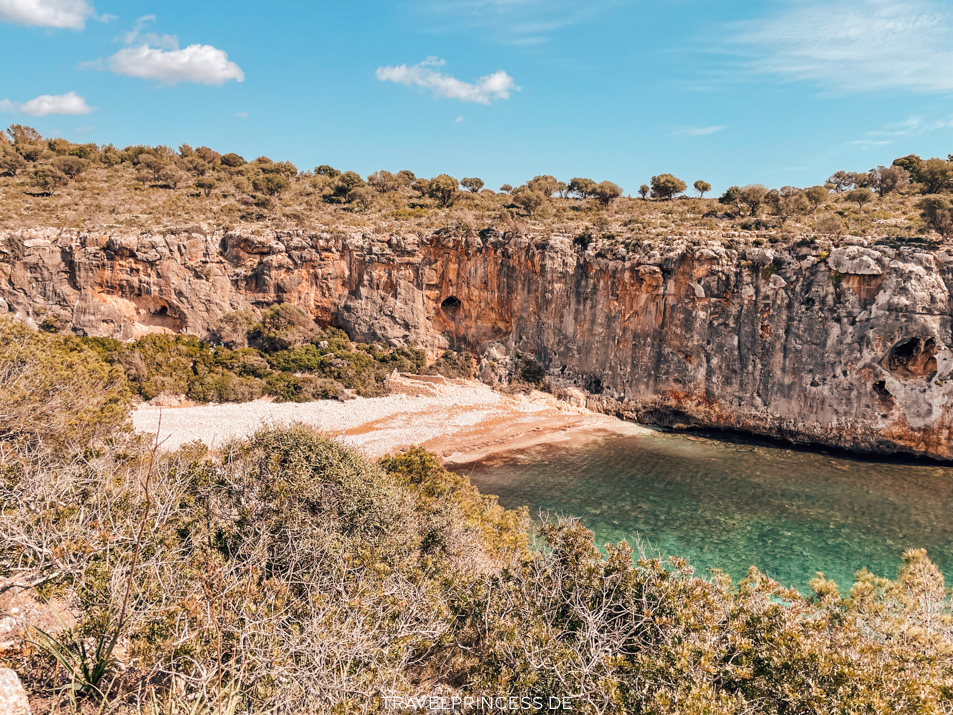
{"x": 847, "y": 346}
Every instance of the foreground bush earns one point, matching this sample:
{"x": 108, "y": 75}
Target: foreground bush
{"x": 288, "y": 574}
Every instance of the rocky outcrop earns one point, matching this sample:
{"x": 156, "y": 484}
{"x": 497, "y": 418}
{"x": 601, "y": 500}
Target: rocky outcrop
{"x": 20, "y": 610}
{"x": 847, "y": 346}
{"x": 13, "y": 698}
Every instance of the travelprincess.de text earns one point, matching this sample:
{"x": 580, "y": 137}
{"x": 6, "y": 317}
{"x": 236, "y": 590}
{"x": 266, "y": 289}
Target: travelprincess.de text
{"x": 513, "y": 703}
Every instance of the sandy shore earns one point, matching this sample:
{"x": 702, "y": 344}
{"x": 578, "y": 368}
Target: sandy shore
{"x": 459, "y": 420}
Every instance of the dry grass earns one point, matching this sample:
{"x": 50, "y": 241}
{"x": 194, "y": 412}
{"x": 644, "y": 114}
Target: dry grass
{"x": 116, "y": 199}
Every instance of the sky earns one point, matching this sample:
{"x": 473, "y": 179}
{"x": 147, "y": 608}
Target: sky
{"x": 778, "y": 92}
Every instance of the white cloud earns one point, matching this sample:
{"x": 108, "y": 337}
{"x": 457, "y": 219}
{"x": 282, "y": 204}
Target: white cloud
{"x": 701, "y": 131}
{"x": 68, "y": 14}
{"x": 159, "y": 57}
{"x": 856, "y": 45}
{"x": 202, "y": 64}
{"x": 70, "y": 104}
{"x": 498, "y": 85}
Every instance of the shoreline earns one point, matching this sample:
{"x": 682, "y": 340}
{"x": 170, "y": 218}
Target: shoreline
{"x": 461, "y": 421}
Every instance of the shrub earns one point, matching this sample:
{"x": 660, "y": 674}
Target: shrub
{"x": 473, "y": 185}
{"x": 232, "y": 160}
{"x": 532, "y": 372}
{"x": 11, "y": 163}
{"x": 453, "y": 365}
{"x": 665, "y": 186}
{"x": 48, "y": 179}
{"x": 284, "y": 326}
{"x": 443, "y": 189}
{"x": 71, "y": 166}
{"x": 937, "y": 213}
{"x": 55, "y": 393}
{"x": 582, "y": 187}
{"x": 206, "y": 184}
{"x": 531, "y": 202}
{"x": 606, "y": 192}
{"x": 270, "y": 184}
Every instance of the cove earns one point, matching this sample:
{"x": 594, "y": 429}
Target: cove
{"x": 731, "y": 505}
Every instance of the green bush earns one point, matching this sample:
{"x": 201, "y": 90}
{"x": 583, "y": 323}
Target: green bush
{"x": 291, "y": 574}
{"x": 454, "y": 365}
{"x": 320, "y": 369}
{"x": 57, "y": 393}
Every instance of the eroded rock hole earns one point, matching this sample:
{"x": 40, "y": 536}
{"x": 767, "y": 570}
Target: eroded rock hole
{"x": 452, "y": 306}
{"x": 883, "y": 394}
{"x": 914, "y": 357}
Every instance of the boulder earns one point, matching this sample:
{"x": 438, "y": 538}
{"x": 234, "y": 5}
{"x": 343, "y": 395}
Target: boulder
{"x": 13, "y": 698}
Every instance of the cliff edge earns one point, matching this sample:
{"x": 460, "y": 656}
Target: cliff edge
{"x": 847, "y": 345}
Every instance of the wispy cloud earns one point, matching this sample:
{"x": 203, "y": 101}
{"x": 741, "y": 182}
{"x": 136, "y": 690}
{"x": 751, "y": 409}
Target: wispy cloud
{"x": 158, "y": 57}
{"x": 870, "y": 143}
{"x": 46, "y": 104}
{"x": 519, "y": 22}
{"x": 64, "y": 14}
{"x": 491, "y": 87}
{"x": 855, "y": 45}
{"x": 700, "y": 131}
{"x": 137, "y": 36}
{"x": 912, "y": 126}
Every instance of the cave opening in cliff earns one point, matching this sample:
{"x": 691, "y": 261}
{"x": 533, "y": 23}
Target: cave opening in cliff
{"x": 451, "y": 305}
{"x": 914, "y": 357}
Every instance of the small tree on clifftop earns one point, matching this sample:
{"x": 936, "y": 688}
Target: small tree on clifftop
{"x": 530, "y": 200}
{"x": 473, "y": 184}
{"x": 861, "y": 197}
{"x": 582, "y": 187}
{"x": 443, "y": 188}
{"x": 665, "y": 186}
{"x": 606, "y": 192}
{"x": 702, "y": 187}
{"x": 48, "y": 179}
{"x": 816, "y": 195}
{"x": 937, "y": 213}
{"x": 887, "y": 179}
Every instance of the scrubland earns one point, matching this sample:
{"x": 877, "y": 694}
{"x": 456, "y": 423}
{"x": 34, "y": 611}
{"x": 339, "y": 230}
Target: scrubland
{"x": 287, "y": 573}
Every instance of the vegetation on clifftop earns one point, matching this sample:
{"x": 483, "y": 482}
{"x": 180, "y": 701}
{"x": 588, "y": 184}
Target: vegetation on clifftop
{"x": 289, "y": 574}
{"x": 52, "y": 182}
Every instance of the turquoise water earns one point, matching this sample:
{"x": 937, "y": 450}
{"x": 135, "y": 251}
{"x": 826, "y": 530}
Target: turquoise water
{"x": 724, "y": 505}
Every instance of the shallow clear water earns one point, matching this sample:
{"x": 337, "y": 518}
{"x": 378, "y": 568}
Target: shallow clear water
{"x": 723, "y": 505}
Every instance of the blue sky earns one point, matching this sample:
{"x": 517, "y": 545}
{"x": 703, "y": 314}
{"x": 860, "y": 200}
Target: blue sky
{"x": 776, "y": 92}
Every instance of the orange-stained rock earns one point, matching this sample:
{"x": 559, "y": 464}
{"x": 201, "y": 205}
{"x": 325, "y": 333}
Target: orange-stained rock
{"x": 854, "y": 351}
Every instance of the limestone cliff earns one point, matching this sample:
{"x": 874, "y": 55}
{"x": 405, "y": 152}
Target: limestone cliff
{"x": 847, "y": 346}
